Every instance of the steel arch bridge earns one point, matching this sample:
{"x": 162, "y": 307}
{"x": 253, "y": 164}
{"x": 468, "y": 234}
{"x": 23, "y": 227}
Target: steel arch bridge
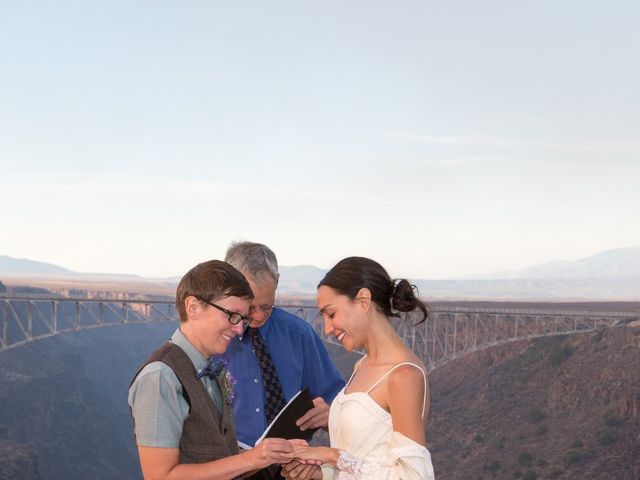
{"x": 448, "y": 333}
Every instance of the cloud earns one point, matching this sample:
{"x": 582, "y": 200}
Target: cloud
{"x": 122, "y": 183}
{"x": 92, "y": 188}
{"x": 455, "y": 140}
{"x": 482, "y": 140}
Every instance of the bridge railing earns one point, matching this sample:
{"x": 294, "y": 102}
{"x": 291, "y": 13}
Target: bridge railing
{"x": 24, "y": 319}
{"x": 448, "y": 333}
{"x": 452, "y": 333}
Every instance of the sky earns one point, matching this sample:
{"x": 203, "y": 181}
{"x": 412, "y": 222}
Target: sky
{"x": 441, "y": 138}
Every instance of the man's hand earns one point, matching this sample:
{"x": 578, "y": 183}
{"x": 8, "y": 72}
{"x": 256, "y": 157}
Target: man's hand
{"x": 299, "y": 471}
{"x": 316, "y": 417}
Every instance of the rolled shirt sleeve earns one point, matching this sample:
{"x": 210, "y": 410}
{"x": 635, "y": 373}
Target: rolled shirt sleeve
{"x": 158, "y": 407}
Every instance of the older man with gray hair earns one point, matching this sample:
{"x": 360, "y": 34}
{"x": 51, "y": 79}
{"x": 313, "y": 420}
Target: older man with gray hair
{"x": 279, "y": 355}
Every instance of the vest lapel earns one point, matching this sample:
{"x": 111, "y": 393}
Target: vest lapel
{"x": 224, "y": 417}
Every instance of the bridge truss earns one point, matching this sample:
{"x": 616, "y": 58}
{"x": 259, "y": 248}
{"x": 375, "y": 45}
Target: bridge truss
{"x": 447, "y": 334}
{"x": 23, "y": 319}
{"x": 450, "y": 333}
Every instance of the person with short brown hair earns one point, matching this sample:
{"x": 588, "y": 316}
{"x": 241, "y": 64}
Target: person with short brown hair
{"x": 181, "y": 398}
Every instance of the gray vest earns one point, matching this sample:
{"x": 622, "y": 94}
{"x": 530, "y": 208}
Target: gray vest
{"x": 206, "y": 435}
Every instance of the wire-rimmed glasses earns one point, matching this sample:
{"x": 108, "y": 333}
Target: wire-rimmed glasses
{"x": 266, "y": 309}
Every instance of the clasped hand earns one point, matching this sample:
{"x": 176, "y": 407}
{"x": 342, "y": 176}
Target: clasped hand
{"x": 278, "y": 450}
{"x": 274, "y": 450}
{"x": 306, "y": 465}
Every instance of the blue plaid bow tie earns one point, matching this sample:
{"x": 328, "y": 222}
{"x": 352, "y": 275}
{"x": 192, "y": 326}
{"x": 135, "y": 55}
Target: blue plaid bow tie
{"x": 213, "y": 367}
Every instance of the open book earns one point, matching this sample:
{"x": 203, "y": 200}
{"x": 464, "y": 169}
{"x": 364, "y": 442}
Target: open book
{"x": 284, "y": 425}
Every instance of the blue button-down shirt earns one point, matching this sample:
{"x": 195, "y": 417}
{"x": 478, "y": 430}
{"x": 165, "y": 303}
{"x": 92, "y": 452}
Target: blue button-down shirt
{"x": 300, "y": 359}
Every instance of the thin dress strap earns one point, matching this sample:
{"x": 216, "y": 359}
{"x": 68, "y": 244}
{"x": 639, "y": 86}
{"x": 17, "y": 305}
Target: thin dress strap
{"x": 355, "y": 369}
{"x": 424, "y": 377}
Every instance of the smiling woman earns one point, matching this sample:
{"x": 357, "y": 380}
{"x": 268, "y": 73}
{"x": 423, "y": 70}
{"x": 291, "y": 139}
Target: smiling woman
{"x": 376, "y": 423}
{"x": 180, "y": 399}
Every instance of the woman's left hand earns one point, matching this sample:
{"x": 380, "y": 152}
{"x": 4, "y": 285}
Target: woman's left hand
{"x": 315, "y": 455}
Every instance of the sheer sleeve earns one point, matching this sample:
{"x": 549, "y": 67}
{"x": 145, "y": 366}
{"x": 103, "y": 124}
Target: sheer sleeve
{"x": 405, "y": 460}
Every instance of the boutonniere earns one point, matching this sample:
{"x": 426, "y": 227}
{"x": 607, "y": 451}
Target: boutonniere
{"x": 227, "y": 382}
{"x": 216, "y": 368}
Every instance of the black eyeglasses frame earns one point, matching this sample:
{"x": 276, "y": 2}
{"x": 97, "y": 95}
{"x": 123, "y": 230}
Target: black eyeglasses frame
{"x": 245, "y": 319}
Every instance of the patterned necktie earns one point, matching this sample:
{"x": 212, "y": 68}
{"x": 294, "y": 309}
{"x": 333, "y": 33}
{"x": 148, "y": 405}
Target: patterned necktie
{"x": 274, "y": 397}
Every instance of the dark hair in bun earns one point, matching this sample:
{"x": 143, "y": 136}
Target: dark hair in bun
{"x": 351, "y": 274}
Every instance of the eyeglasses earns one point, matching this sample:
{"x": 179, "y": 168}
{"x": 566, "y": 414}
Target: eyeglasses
{"x": 234, "y": 317}
{"x": 261, "y": 308}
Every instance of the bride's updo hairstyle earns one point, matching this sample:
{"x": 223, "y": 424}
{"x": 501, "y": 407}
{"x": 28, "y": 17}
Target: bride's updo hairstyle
{"x": 351, "y": 274}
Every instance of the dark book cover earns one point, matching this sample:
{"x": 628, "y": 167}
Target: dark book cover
{"x": 284, "y": 425}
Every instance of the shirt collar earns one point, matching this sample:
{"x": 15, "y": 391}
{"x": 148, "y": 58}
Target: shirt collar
{"x": 266, "y": 328}
{"x": 198, "y": 360}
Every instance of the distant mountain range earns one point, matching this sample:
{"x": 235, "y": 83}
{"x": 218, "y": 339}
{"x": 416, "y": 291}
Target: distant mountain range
{"x": 24, "y": 266}
{"x": 301, "y": 280}
{"x": 621, "y": 262}
{"x": 608, "y": 275}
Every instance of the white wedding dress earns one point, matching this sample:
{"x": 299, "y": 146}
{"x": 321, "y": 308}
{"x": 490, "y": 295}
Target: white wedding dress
{"x": 370, "y": 449}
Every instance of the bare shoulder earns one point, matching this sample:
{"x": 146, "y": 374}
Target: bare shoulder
{"x": 408, "y": 375}
{"x": 408, "y": 398}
